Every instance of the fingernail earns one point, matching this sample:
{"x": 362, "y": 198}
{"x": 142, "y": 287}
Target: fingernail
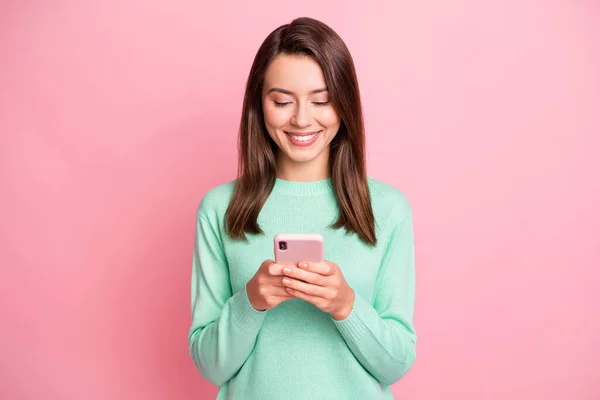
{"x": 286, "y": 281}
{"x": 287, "y": 270}
{"x": 302, "y": 265}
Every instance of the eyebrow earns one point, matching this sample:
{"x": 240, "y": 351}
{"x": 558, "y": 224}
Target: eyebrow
{"x": 284, "y": 91}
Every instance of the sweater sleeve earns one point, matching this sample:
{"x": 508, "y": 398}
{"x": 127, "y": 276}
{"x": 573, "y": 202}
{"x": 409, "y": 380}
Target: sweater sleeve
{"x": 381, "y": 335}
{"x": 224, "y": 325}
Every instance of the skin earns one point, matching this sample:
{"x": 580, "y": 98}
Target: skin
{"x": 304, "y": 108}
{"x": 295, "y": 99}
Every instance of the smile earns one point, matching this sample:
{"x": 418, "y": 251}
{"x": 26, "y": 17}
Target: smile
{"x": 302, "y": 139}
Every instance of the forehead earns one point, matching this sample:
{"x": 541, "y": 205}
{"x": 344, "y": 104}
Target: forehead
{"x": 299, "y": 74}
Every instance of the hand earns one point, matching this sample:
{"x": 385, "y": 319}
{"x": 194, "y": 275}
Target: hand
{"x": 321, "y": 284}
{"x": 265, "y": 290}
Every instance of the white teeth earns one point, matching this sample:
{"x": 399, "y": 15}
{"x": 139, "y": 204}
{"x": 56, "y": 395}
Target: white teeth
{"x": 303, "y": 138}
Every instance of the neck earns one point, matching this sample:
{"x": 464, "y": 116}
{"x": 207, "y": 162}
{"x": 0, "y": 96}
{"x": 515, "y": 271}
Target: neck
{"x": 314, "y": 170}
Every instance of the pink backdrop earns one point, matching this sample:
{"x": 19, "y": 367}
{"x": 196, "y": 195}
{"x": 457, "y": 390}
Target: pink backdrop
{"x": 117, "y": 116}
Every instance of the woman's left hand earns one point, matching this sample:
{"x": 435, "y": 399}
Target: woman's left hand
{"x": 321, "y": 284}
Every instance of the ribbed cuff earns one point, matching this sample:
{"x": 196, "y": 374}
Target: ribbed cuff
{"x": 243, "y": 314}
{"x": 356, "y": 325}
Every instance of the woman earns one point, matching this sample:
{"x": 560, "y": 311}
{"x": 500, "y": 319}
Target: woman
{"x": 341, "y": 329}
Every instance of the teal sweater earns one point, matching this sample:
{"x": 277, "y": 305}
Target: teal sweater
{"x": 296, "y": 351}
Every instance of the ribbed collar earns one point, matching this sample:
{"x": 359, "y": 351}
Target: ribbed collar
{"x": 296, "y": 188}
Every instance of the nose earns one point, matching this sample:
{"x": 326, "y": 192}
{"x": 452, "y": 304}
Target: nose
{"x": 301, "y": 117}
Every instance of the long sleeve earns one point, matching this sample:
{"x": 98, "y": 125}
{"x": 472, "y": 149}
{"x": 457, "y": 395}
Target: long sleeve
{"x": 224, "y": 325}
{"x": 381, "y": 335}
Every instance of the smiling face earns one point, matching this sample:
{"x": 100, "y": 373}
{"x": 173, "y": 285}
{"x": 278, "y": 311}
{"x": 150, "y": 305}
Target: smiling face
{"x": 299, "y": 117}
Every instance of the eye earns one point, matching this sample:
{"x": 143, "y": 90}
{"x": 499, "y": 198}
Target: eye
{"x": 321, "y": 103}
{"x": 281, "y": 104}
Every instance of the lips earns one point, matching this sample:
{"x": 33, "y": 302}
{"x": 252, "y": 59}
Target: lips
{"x": 303, "y": 139}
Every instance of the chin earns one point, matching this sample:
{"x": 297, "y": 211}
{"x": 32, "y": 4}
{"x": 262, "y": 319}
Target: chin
{"x": 301, "y": 158}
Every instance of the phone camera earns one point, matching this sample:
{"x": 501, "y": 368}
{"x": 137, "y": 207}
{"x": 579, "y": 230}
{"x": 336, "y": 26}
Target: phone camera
{"x": 282, "y": 245}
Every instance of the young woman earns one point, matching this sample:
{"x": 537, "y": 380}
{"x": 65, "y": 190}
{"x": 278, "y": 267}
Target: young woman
{"x": 340, "y": 329}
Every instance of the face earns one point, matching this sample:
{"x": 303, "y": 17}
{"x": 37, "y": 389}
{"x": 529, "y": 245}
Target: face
{"x": 298, "y": 114}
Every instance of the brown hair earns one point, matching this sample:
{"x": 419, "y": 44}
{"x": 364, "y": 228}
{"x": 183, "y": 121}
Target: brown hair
{"x": 257, "y": 151}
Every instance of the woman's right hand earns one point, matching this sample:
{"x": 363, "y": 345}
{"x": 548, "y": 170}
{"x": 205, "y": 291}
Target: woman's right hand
{"x": 265, "y": 289}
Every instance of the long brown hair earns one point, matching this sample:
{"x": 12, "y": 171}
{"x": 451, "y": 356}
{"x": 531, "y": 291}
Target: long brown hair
{"x": 257, "y": 151}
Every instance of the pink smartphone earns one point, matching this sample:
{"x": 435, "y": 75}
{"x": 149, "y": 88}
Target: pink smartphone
{"x": 293, "y": 248}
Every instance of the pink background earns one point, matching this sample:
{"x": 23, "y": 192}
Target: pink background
{"x": 117, "y": 116}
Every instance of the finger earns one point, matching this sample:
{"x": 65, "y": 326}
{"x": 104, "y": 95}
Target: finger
{"x": 279, "y": 292}
{"x": 281, "y": 299}
{"x": 275, "y": 269}
{"x": 306, "y": 297}
{"x": 272, "y": 281}
{"x": 303, "y": 275}
{"x": 322, "y": 268}
{"x": 304, "y": 287}
{"x": 265, "y": 265}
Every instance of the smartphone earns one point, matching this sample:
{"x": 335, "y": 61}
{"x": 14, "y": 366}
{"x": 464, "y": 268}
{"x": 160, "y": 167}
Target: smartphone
{"x": 293, "y": 248}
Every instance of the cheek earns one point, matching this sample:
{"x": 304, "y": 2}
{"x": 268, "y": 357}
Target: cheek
{"x": 274, "y": 117}
{"x": 329, "y": 118}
